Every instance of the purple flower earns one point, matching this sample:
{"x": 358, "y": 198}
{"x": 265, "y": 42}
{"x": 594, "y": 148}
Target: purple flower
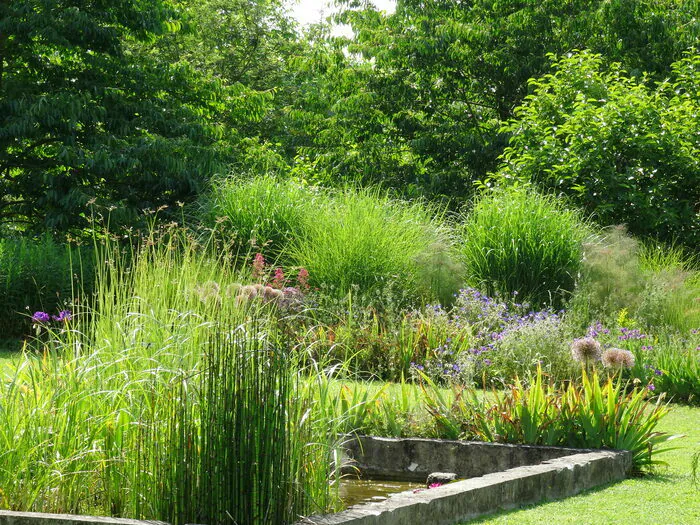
{"x": 651, "y": 387}
{"x": 63, "y": 316}
{"x": 630, "y": 333}
{"x": 487, "y": 362}
{"x": 41, "y": 317}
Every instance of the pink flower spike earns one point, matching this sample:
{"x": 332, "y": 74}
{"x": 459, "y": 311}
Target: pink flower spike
{"x": 258, "y": 266}
{"x": 279, "y": 280}
{"x": 303, "y": 279}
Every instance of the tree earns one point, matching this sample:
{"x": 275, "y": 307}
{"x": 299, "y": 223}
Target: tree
{"x": 89, "y": 113}
{"x": 417, "y": 102}
{"x": 622, "y": 148}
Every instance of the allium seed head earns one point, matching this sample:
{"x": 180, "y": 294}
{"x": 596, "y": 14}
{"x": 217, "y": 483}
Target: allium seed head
{"x": 586, "y": 349}
{"x": 618, "y": 358}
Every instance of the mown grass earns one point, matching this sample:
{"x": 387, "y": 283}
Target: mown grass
{"x": 667, "y": 496}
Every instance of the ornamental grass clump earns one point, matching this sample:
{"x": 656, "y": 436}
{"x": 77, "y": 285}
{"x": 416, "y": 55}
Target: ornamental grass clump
{"x": 155, "y": 404}
{"x": 518, "y": 240}
{"x": 263, "y": 212}
{"x": 364, "y": 241}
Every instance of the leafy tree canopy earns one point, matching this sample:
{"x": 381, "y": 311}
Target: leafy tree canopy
{"x": 89, "y": 112}
{"x": 621, "y": 148}
{"x": 417, "y": 99}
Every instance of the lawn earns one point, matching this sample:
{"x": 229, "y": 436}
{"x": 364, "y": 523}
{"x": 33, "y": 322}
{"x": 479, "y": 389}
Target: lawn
{"x": 668, "y": 496}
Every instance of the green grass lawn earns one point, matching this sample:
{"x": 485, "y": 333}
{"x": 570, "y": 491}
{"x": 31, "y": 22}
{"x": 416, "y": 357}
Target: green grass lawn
{"x": 667, "y": 497}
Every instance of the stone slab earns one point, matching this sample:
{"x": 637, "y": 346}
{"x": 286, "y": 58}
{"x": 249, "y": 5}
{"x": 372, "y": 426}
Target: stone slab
{"x": 40, "y": 518}
{"x": 463, "y": 500}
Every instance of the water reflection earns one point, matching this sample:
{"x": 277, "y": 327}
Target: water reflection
{"x": 354, "y": 491}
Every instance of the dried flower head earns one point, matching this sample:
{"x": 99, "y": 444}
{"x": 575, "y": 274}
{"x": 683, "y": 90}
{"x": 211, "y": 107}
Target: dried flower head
{"x": 270, "y": 294}
{"x": 249, "y": 291}
{"x": 586, "y": 349}
{"x": 208, "y": 290}
{"x": 618, "y": 358}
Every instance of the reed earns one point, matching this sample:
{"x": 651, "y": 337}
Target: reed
{"x": 165, "y": 399}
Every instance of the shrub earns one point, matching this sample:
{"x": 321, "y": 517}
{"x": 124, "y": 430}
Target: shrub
{"x": 516, "y": 240}
{"x": 363, "y": 240}
{"x": 619, "y": 147}
{"x": 39, "y": 274}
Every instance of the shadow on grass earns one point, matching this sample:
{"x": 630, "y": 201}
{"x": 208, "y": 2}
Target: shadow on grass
{"x": 10, "y": 348}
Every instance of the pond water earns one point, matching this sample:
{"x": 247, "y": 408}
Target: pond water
{"x": 354, "y": 491}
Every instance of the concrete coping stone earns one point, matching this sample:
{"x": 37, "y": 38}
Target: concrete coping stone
{"x": 8, "y": 517}
{"x": 467, "y": 499}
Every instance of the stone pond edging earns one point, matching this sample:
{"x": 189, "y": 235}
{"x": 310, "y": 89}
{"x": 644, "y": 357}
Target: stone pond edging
{"x": 493, "y": 477}
{"x": 536, "y": 474}
{"x": 8, "y": 517}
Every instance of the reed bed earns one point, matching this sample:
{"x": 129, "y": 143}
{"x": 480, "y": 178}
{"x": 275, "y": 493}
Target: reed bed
{"x": 164, "y": 399}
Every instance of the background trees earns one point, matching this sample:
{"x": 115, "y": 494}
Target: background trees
{"x": 90, "y": 112}
{"x": 138, "y": 105}
{"x": 624, "y": 150}
{"x": 418, "y": 98}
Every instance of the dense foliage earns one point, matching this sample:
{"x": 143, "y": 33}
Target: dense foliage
{"x": 623, "y": 150}
{"x": 417, "y": 100}
{"x": 90, "y": 114}
{"x": 137, "y": 105}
